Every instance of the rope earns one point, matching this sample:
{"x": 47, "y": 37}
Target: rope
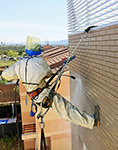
{"x": 41, "y": 111}
{"x": 42, "y": 141}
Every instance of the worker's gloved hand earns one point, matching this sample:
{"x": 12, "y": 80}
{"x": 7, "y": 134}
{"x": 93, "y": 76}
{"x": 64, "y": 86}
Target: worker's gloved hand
{"x": 73, "y": 57}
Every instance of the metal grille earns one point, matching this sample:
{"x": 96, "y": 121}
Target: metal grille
{"x": 84, "y": 13}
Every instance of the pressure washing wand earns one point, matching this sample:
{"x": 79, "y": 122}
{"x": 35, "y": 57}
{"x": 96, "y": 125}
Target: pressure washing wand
{"x": 71, "y": 57}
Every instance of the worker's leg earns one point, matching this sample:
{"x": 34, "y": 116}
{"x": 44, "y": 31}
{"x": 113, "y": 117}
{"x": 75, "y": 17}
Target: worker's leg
{"x": 71, "y": 113}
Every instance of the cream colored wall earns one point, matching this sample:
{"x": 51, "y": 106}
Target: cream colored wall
{"x": 96, "y": 68}
{"x": 25, "y": 109}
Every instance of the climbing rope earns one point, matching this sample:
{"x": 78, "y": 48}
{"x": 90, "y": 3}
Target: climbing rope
{"x": 42, "y": 141}
{"x": 37, "y": 119}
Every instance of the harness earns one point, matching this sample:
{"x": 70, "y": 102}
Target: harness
{"x": 34, "y": 93}
{"x": 47, "y": 101}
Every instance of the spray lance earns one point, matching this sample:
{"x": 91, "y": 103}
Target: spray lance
{"x": 70, "y": 58}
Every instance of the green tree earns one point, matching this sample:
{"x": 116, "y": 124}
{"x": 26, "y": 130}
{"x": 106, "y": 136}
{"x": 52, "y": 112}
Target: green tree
{"x": 5, "y": 52}
{"x": 1, "y": 52}
{"x": 21, "y": 52}
{"x": 3, "y": 81}
{"x": 12, "y": 53}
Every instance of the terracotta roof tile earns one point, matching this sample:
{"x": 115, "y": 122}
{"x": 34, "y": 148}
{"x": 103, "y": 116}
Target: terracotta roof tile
{"x": 47, "y": 47}
{"x": 54, "y": 57}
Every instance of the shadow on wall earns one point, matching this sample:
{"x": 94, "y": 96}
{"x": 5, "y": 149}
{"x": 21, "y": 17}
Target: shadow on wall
{"x": 78, "y": 96}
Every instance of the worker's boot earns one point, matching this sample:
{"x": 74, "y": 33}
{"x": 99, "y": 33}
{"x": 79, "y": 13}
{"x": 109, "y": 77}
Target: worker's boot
{"x": 96, "y": 115}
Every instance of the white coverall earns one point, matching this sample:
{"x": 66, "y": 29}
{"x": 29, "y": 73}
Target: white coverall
{"x": 37, "y": 71}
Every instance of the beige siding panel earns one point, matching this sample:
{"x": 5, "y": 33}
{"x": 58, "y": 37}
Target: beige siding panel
{"x": 96, "y": 66}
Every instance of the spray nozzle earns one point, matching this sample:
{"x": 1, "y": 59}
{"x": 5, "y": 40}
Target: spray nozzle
{"x": 89, "y": 28}
{"x": 70, "y": 76}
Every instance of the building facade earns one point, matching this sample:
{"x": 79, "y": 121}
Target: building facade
{"x": 96, "y": 70}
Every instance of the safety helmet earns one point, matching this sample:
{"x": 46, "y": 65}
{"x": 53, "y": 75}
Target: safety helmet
{"x": 33, "y": 46}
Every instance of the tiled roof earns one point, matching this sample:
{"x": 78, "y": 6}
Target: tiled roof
{"x": 55, "y": 56}
{"x": 47, "y": 47}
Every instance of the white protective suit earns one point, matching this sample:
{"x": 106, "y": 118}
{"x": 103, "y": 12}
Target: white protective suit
{"x": 37, "y": 71}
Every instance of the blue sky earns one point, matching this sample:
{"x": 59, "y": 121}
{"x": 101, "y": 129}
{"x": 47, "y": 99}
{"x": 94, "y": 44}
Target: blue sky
{"x": 46, "y": 19}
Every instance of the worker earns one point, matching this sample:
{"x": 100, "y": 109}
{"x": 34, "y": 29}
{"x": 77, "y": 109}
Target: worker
{"x": 32, "y": 71}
